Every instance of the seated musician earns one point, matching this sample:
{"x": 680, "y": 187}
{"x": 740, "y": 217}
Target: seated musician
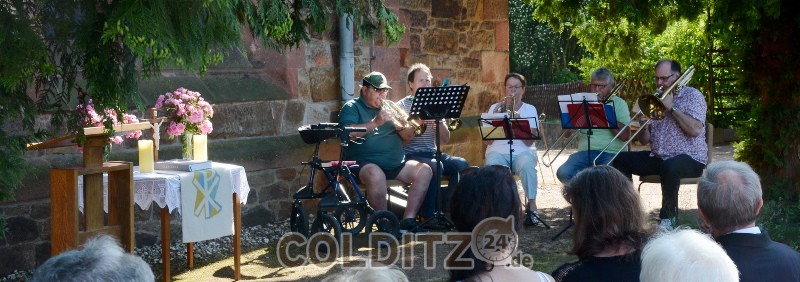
{"x": 423, "y": 148}
{"x": 677, "y": 142}
{"x": 380, "y": 154}
{"x": 602, "y": 81}
{"x": 525, "y": 158}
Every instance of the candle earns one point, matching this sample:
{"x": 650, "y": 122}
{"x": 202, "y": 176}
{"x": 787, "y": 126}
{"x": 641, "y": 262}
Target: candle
{"x": 145, "y": 156}
{"x": 200, "y": 147}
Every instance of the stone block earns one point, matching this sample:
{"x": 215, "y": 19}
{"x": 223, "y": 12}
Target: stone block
{"x": 416, "y": 19}
{"x": 143, "y": 239}
{"x": 15, "y": 210}
{"x": 324, "y": 84}
{"x": 440, "y": 41}
{"x": 415, "y": 43}
{"x": 472, "y": 61}
{"x": 252, "y": 196}
{"x": 258, "y": 215}
{"x": 140, "y": 215}
{"x": 320, "y": 56}
{"x": 17, "y": 257}
{"x": 478, "y": 40}
{"x": 448, "y": 9}
{"x": 417, "y": 4}
{"x": 501, "y": 35}
{"x": 293, "y": 117}
{"x": 495, "y": 9}
{"x": 244, "y": 119}
{"x": 21, "y": 229}
{"x": 494, "y": 66}
{"x": 44, "y": 229}
{"x": 260, "y": 178}
{"x": 42, "y": 252}
{"x": 286, "y": 174}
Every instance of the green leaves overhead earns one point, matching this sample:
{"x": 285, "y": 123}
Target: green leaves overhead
{"x": 59, "y": 52}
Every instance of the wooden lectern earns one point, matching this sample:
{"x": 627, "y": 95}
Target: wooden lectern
{"x": 66, "y": 230}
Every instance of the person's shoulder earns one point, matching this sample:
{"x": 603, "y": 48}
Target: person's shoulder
{"x": 618, "y": 100}
{"x": 565, "y": 271}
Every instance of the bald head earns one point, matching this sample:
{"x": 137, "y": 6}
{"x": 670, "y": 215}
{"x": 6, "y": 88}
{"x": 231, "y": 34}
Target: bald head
{"x": 729, "y": 195}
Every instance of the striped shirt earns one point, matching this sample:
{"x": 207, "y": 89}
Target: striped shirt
{"x": 426, "y": 143}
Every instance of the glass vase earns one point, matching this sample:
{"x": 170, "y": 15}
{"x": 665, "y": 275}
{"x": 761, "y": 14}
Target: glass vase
{"x": 186, "y": 146}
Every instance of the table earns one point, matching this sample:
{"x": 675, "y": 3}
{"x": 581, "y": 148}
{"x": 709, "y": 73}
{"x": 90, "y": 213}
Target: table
{"x": 164, "y": 190}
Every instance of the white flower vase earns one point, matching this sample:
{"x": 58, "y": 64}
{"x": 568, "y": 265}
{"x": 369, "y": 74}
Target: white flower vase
{"x": 186, "y": 146}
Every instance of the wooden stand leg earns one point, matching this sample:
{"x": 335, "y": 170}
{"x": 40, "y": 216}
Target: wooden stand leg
{"x": 190, "y": 254}
{"x": 165, "y": 241}
{"x": 237, "y": 235}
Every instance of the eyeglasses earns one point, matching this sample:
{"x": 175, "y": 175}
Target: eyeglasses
{"x": 659, "y": 78}
{"x": 383, "y": 90}
{"x": 514, "y": 86}
{"x": 595, "y": 85}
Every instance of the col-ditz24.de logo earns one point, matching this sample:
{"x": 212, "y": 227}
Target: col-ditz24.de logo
{"x": 493, "y": 241}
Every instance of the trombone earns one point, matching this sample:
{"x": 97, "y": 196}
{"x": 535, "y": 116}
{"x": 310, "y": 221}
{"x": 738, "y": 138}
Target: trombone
{"x": 613, "y": 93}
{"x": 650, "y": 106}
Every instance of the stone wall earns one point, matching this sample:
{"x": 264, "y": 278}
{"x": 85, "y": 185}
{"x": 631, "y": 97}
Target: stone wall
{"x": 260, "y": 100}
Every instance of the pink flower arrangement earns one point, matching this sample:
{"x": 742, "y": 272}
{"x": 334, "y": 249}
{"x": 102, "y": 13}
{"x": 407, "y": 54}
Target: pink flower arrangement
{"x": 88, "y": 117}
{"x": 188, "y": 112}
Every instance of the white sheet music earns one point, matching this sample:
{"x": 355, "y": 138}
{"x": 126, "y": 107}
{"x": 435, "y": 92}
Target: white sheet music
{"x": 564, "y": 100}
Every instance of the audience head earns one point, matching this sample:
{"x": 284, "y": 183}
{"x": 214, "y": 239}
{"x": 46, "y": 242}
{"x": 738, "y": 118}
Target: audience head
{"x": 484, "y": 192}
{"x": 686, "y": 255}
{"x": 607, "y": 212}
{"x": 384, "y": 274}
{"x": 729, "y": 196}
{"x": 100, "y": 258}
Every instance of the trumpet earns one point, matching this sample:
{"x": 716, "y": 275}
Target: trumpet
{"x": 452, "y": 123}
{"x": 504, "y": 107}
{"x": 652, "y": 107}
{"x": 400, "y": 117}
{"x": 573, "y": 132}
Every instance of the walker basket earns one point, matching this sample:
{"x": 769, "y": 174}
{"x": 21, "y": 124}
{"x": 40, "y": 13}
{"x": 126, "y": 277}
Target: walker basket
{"x": 312, "y": 134}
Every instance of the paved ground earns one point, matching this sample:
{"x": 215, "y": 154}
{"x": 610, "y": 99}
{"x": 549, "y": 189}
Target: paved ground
{"x": 262, "y": 265}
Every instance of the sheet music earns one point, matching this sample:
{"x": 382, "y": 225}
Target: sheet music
{"x": 564, "y": 100}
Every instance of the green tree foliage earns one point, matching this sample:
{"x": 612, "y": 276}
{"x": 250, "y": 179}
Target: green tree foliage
{"x": 762, "y": 37}
{"x": 54, "y": 52}
{"x": 538, "y": 52}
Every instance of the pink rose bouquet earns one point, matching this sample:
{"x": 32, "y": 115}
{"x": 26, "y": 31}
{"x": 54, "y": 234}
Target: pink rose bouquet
{"x": 88, "y": 117}
{"x": 188, "y": 112}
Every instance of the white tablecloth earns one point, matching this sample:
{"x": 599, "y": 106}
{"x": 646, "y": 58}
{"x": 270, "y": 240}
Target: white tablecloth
{"x": 164, "y": 187}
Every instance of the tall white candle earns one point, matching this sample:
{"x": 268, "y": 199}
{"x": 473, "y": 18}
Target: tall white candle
{"x": 145, "y": 156}
{"x": 200, "y": 147}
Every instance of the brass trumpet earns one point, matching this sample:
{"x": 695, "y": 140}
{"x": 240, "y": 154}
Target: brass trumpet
{"x": 400, "y": 117}
{"x": 503, "y": 107}
{"x": 652, "y": 107}
{"x": 452, "y": 123}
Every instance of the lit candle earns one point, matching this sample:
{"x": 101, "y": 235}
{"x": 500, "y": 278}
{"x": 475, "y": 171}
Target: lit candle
{"x": 200, "y": 147}
{"x": 146, "y": 156}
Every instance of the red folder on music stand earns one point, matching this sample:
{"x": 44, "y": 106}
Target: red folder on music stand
{"x": 597, "y": 115}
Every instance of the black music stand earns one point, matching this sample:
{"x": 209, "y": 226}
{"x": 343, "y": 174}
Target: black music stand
{"x": 587, "y": 113}
{"x": 438, "y": 103}
{"x": 508, "y": 128}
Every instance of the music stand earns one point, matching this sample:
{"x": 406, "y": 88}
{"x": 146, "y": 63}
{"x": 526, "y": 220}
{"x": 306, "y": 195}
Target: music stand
{"x": 437, "y": 103}
{"x": 510, "y": 129}
{"x": 584, "y": 111}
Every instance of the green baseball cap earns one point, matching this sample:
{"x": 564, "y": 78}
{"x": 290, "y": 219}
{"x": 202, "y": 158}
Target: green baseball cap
{"x": 375, "y": 79}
